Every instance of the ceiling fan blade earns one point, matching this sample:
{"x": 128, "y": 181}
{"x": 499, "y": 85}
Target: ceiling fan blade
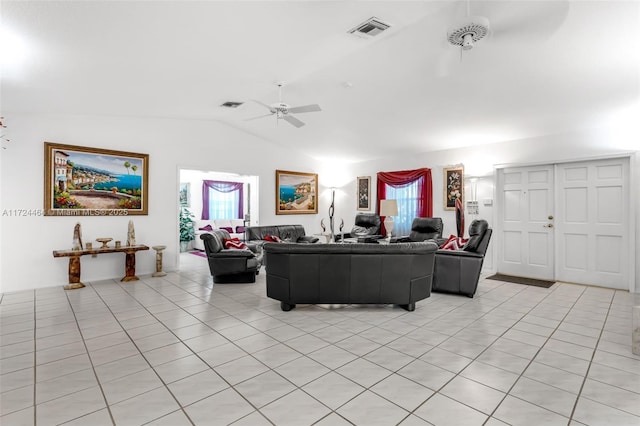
{"x": 259, "y": 116}
{"x": 292, "y": 120}
{"x": 264, "y": 105}
{"x": 305, "y": 108}
{"x": 541, "y": 20}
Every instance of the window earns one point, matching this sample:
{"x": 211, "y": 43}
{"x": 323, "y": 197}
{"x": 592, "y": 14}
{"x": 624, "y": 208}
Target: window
{"x": 407, "y": 199}
{"x": 413, "y": 191}
{"x": 222, "y": 200}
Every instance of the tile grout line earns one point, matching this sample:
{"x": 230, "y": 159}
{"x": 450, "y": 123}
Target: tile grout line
{"x": 593, "y": 354}
{"x": 93, "y": 367}
{"x": 230, "y": 386}
{"x": 508, "y": 393}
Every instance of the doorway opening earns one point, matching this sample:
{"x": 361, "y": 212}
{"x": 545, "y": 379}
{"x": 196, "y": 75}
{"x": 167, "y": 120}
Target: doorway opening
{"x": 209, "y": 196}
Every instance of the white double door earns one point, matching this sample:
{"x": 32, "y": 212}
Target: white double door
{"x": 566, "y": 222}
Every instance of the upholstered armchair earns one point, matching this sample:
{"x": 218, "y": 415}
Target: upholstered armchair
{"x": 230, "y": 265}
{"x": 365, "y": 224}
{"x": 458, "y": 271}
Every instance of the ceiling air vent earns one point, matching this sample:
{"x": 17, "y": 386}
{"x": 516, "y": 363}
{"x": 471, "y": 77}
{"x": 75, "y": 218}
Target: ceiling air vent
{"x": 231, "y": 104}
{"x": 370, "y": 28}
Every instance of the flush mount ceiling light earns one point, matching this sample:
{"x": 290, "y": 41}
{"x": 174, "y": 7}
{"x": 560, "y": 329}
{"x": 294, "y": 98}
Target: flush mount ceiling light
{"x": 474, "y": 28}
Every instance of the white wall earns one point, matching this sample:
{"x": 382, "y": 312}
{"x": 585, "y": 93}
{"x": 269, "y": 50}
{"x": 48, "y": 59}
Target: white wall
{"x": 27, "y": 242}
{"x": 481, "y": 161}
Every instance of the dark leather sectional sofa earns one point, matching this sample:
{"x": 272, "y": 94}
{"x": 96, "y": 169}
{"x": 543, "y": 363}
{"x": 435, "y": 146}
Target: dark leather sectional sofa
{"x": 288, "y": 233}
{"x": 349, "y": 273}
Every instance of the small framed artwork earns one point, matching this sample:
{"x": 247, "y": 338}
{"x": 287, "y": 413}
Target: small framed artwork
{"x": 296, "y": 192}
{"x": 364, "y": 192}
{"x": 185, "y": 194}
{"x": 453, "y": 186}
{"x": 83, "y": 181}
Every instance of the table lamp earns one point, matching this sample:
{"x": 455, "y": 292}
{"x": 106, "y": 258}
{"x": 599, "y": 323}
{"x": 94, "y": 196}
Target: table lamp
{"x": 388, "y": 209}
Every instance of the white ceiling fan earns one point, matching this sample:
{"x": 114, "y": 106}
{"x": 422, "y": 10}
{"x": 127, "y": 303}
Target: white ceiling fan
{"x": 283, "y": 111}
{"x": 517, "y": 22}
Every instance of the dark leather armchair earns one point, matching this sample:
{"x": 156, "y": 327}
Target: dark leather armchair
{"x": 458, "y": 271}
{"x": 230, "y": 265}
{"x": 365, "y": 224}
{"x": 427, "y": 228}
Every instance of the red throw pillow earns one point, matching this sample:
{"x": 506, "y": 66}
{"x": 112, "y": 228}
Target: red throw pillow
{"x": 272, "y": 238}
{"x": 454, "y": 243}
{"x": 234, "y": 243}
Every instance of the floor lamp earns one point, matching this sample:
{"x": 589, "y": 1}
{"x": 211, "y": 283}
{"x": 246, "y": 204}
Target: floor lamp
{"x": 388, "y": 209}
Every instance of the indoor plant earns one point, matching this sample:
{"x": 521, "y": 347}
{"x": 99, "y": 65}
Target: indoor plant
{"x": 187, "y": 230}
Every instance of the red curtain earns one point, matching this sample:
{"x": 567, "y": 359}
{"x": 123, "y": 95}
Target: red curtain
{"x": 405, "y": 177}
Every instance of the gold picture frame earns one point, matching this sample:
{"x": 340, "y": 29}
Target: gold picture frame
{"x": 363, "y": 193}
{"x": 83, "y": 181}
{"x": 296, "y": 192}
{"x": 453, "y": 186}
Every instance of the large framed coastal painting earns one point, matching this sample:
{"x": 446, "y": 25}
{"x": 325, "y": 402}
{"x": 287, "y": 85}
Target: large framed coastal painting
{"x": 296, "y": 192}
{"x": 83, "y": 181}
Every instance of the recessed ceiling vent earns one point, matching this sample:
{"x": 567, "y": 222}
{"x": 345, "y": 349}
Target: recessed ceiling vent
{"x": 370, "y": 28}
{"x": 231, "y": 104}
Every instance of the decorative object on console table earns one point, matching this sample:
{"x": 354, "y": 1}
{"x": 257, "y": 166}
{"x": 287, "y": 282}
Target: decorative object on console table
{"x": 388, "y": 209}
{"x": 93, "y": 181}
{"x": 453, "y": 186}
{"x": 364, "y": 191}
{"x": 131, "y": 234}
{"x": 104, "y": 241}
{"x": 77, "y": 237}
{"x": 296, "y": 192}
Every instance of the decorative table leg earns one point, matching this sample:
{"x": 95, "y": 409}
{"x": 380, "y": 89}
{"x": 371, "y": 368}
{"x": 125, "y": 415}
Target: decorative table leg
{"x": 130, "y": 267}
{"x": 159, "y": 272}
{"x": 74, "y": 274}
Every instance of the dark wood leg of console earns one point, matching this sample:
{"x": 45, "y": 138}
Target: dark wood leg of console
{"x": 74, "y": 274}
{"x": 130, "y": 267}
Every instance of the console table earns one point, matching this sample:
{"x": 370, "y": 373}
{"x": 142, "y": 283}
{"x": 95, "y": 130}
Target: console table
{"x": 74, "y": 262}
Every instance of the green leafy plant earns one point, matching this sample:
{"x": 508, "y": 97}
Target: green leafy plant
{"x": 187, "y": 230}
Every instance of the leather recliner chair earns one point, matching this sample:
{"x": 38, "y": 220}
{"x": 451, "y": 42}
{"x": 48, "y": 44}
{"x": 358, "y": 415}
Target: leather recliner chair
{"x": 365, "y": 224}
{"x": 427, "y": 228}
{"x": 230, "y": 265}
{"x": 458, "y": 271}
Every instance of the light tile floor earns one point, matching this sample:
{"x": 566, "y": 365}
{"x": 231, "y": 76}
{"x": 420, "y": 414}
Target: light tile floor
{"x": 179, "y": 351}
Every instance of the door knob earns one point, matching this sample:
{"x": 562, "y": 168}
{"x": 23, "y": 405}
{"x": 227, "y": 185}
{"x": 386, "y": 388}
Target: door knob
{"x": 550, "y": 217}
{"x": 548, "y": 225}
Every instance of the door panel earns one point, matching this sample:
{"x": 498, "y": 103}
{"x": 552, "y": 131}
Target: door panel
{"x": 593, "y": 222}
{"x": 526, "y": 200}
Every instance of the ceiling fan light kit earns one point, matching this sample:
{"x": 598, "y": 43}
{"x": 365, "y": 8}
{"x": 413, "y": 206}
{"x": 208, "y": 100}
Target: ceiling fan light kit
{"x": 465, "y": 36}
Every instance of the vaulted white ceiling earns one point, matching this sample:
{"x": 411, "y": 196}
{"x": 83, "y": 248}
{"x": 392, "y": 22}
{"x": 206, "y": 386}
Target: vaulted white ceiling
{"x": 547, "y": 67}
